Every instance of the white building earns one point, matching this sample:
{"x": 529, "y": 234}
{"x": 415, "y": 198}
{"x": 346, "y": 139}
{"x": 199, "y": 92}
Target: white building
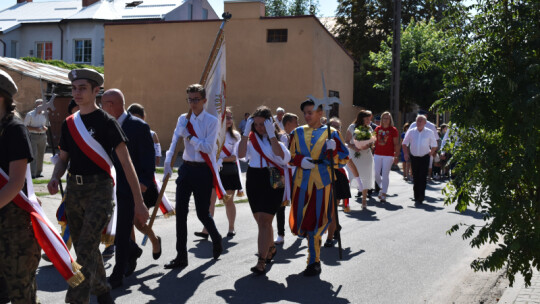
{"x": 73, "y": 30}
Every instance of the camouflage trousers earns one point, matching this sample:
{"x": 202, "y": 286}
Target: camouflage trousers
{"x": 19, "y": 255}
{"x": 88, "y": 209}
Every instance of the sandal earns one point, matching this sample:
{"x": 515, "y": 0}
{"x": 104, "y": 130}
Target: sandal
{"x": 272, "y": 253}
{"x": 260, "y": 268}
{"x": 382, "y": 197}
{"x": 364, "y": 204}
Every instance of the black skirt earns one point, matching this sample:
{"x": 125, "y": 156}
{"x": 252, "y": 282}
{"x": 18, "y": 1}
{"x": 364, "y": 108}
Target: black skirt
{"x": 262, "y": 197}
{"x": 341, "y": 186}
{"x": 229, "y": 176}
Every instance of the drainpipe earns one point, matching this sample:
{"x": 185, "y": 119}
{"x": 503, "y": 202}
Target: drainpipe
{"x": 4, "y": 47}
{"x": 61, "y": 40}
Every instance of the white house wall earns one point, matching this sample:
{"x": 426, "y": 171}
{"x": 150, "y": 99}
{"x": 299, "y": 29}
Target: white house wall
{"x": 76, "y": 30}
{"x": 182, "y": 12}
{"x": 28, "y": 35}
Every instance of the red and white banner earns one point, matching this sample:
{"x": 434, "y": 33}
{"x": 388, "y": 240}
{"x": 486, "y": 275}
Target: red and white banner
{"x": 96, "y": 153}
{"x": 45, "y": 233}
{"x": 165, "y": 205}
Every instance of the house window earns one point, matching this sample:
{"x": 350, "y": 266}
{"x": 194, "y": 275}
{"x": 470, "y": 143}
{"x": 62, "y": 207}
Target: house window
{"x": 82, "y": 51}
{"x": 204, "y": 14}
{"x": 14, "y": 49}
{"x": 44, "y": 50}
{"x": 334, "y": 111}
{"x": 277, "y": 35}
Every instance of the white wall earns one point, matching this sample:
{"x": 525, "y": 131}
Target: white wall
{"x": 75, "y": 30}
{"x": 182, "y": 12}
{"x": 28, "y": 35}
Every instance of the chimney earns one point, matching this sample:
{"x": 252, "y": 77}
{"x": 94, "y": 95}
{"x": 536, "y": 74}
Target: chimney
{"x": 245, "y": 9}
{"x": 23, "y": 1}
{"x": 86, "y": 3}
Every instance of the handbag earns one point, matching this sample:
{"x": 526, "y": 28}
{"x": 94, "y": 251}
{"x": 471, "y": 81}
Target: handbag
{"x": 277, "y": 181}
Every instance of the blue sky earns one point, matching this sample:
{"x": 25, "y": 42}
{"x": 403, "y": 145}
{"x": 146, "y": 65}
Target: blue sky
{"x": 327, "y": 7}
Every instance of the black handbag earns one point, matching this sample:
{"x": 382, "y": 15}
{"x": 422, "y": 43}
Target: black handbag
{"x": 277, "y": 181}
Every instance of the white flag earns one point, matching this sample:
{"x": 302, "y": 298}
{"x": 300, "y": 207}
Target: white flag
{"x": 216, "y": 88}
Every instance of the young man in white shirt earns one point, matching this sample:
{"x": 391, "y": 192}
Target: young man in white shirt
{"x": 199, "y": 133}
{"x": 423, "y": 145}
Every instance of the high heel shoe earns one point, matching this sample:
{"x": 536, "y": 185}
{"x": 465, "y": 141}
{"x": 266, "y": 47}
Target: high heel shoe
{"x": 272, "y": 253}
{"x": 260, "y": 268}
{"x": 156, "y": 255}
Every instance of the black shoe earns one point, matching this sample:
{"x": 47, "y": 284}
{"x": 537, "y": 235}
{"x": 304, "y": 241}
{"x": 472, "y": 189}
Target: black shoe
{"x": 418, "y": 203}
{"x": 313, "y": 269}
{"x": 329, "y": 243}
{"x": 115, "y": 283}
{"x": 132, "y": 263}
{"x": 158, "y": 254}
{"x": 202, "y": 235}
{"x": 176, "y": 263}
{"x": 217, "y": 248}
{"x": 105, "y": 298}
{"x": 108, "y": 252}
{"x": 256, "y": 270}
{"x": 231, "y": 234}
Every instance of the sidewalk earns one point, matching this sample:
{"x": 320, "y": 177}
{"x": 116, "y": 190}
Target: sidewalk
{"x": 518, "y": 294}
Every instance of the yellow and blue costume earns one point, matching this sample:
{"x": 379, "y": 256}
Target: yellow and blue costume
{"x": 311, "y": 208}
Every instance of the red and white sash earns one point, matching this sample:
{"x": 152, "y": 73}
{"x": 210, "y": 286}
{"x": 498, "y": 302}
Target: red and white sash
{"x": 96, "y": 153}
{"x": 47, "y": 237}
{"x": 255, "y": 141}
{"x": 211, "y": 162}
{"x": 165, "y": 205}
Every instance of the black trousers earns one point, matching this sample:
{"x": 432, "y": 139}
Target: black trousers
{"x": 199, "y": 181}
{"x": 419, "y": 166}
{"x": 125, "y": 247}
{"x": 280, "y": 219}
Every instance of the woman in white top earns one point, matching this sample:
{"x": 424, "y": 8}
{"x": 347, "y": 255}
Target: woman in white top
{"x": 267, "y": 158}
{"x": 228, "y": 175}
{"x": 361, "y": 163}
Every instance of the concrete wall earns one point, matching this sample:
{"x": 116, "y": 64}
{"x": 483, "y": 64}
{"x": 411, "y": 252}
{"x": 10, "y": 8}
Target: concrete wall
{"x": 154, "y": 63}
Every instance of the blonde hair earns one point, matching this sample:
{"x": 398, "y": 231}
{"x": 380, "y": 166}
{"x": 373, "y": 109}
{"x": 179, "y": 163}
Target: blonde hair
{"x": 389, "y": 115}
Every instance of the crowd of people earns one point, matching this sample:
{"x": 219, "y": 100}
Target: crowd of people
{"x": 308, "y": 168}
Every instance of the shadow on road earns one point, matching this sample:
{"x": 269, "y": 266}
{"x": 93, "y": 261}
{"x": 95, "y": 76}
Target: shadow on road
{"x": 49, "y": 279}
{"x": 293, "y": 252}
{"x": 298, "y": 289}
{"x": 363, "y": 215}
{"x": 330, "y": 256}
{"x": 474, "y": 214}
{"x": 426, "y": 207}
{"x": 203, "y": 248}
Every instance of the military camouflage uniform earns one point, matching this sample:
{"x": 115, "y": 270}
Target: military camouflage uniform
{"x": 19, "y": 256}
{"x": 88, "y": 209}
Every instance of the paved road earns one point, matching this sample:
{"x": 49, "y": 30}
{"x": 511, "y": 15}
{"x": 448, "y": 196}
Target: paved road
{"x": 393, "y": 253}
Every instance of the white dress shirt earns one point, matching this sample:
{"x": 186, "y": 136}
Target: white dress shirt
{"x": 35, "y": 120}
{"x": 280, "y": 123}
{"x": 230, "y": 144}
{"x": 205, "y": 125}
{"x": 257, "y": 161}
{"x": 122, "y": 118}
{"x": 428, "y": 125}
{"x": 420, "y": 142}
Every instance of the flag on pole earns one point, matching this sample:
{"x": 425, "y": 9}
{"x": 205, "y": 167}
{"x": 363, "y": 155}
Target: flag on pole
{"x": 216, "y": 93}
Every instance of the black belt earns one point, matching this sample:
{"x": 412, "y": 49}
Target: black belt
{"x": 87, "y": 179}
{"x": 195, "y": 164}
{"x": 317, "y": 161}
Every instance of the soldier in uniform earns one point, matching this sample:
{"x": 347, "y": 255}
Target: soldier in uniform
{"x": 19, "y": 250}
{"x": 87, "y": 140}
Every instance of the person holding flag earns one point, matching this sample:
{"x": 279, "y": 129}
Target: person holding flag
{"x": 87, "y": 141}
{"x": 197, "y": 175}
{"x": 312, "y": 205}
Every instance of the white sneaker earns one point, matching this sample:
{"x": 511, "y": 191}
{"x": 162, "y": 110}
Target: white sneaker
{"x": 279, "y": 240}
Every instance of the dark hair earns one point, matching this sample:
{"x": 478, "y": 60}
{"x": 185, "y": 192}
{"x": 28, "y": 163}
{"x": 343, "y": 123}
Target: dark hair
{"x": 406, "y": 126}
{"x": 288, "y": 117}
{"x": 308, "y": 102}
{"x": 136, "y": 109}
{"x": 197, "y": 88}
{"x": 9, "y": 109}
{"x": 360, "y": 117}
{"x": 72, "y": 104}
{"x": 266, "y": 113}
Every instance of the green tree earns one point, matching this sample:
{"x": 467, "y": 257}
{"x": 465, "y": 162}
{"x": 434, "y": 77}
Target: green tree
{"x": 277, "y": 8}
{"x": 493, "y": 93}
{"x": 423, "y": 46}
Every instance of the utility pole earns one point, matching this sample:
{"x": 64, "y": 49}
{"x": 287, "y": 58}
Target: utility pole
{"x": 396, "y": 50}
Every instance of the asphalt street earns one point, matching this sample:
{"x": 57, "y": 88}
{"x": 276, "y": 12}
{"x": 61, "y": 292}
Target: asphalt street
{"x": 392, "y": 253}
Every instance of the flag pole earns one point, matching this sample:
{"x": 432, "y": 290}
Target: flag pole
{"x": 204, "y": 77}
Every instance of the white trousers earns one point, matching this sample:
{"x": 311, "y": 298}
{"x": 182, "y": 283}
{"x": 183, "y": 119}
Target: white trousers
{"x": 383, "y": 164}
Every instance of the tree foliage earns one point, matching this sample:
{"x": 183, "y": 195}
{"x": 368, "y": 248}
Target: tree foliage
{"x": 277, "y": 8}
{"x": 493, "y": 93}
{"x": 423, "y": 47}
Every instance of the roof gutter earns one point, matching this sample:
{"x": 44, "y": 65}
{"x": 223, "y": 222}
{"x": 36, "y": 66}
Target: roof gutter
{"x": 61, "y": 40}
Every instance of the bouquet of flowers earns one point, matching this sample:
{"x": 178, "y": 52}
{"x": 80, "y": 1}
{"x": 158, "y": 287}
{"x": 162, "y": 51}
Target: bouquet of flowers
{"x": 362, "y": 137}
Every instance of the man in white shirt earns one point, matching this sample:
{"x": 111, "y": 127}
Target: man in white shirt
{"x": 433, "y": 128}
{"x": 36, "y": 123}
{"x": 422, "y": 145}
{"x": 279, "y": 117}
{"x": 199, "y": 133}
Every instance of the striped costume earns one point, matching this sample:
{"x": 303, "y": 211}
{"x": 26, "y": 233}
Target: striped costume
{"x": 311, "y": 209}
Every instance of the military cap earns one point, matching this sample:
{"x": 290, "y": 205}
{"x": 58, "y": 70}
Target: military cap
{"x": 7, "y": 84}
{"x": 86, "y": 74}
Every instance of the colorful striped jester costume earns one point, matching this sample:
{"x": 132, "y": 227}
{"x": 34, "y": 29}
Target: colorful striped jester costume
{"x": 311, "y": 208}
